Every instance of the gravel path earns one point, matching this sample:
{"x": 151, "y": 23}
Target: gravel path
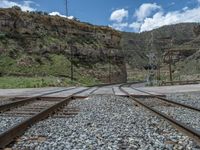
{"x": 104, "y": 122}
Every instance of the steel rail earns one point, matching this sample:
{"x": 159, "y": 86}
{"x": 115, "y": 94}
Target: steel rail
{"x": 189, "y": 131}
{"x": 169, "y": 101}
{"x": 10, "y": 134}
{"x": 93, "y": 91}
{"x": 7, "y": 106}
{"x": 181, "y": 82}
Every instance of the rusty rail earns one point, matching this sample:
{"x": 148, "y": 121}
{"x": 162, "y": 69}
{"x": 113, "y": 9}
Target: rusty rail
{"x": 180, "y": 82}
{"x": 169, "y": 101}
{"x": 189, "y": 131}
{"x": 9, "y": 135}
{"x": 7, "y": 106}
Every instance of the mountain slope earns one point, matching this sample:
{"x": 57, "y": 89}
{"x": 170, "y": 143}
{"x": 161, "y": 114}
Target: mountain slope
{"x": 184, "y": 37}
{"x": 41, "y": 45}
{"x": 159, "y": 40}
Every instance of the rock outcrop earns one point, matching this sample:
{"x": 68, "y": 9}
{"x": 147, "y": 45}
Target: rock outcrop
{"x": 180, "y": 37}
{"x": 36, "y": 37}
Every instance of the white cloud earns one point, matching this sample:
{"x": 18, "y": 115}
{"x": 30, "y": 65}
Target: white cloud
{"x": 119, "y": 25}
{"x": 25, "y": 6}
{"x": 185, "y": 8}
{"x": 70, "y": 17}
{"x": 135, "y": 26}
{"x": 160, "y": 19}
{"x": 58, "y": 14}
{"x": 172, "y": 3}
{"x": 145, "y": 10}
{"x": 119, "y": 15}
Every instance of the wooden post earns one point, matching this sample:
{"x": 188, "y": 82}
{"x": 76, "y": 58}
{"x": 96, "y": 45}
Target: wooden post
{"x": 72, "y": 67}
{"x": 170, "y": 66}
{"x": 158, "y": 73}
{"x": 109, "y": 66}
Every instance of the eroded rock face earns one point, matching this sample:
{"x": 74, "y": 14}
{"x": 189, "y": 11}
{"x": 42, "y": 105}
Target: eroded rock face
{"x": 34, "y": 34}
{"x": 196, "y": 30}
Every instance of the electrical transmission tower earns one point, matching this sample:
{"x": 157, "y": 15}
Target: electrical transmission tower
{"x": 152, "y": 62}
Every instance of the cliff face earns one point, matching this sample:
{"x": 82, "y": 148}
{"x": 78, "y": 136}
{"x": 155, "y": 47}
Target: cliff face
{"x": 34, "y": 40}
{"x": 183, "y": 37}
{"x": 179, "y": 37}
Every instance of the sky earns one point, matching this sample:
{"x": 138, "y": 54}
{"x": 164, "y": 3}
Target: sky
{"x": 123, "y": 15}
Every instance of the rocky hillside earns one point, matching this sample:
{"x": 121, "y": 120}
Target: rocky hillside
{"x": 184, "y": 37}
{"x": 34, "y": 44}
{"x": 180, "y": 36}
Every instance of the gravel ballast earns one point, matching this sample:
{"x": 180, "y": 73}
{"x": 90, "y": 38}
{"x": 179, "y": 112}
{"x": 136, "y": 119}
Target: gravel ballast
{"x": 104, "y": 122}
{"x": 186, "y": 116}
{"x": 191, "y": 98}
{"x": 7, "y": 122}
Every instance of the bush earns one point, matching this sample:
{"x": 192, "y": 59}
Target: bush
{"x": 2, "y": 36}
{"x": 45, "y": 13}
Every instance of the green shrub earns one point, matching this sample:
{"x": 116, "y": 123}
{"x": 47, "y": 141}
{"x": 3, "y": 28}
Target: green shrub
{"x": 2, "y": 36}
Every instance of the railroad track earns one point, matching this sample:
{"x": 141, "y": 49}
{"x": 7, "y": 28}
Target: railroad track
{"x": 184, "y": 128}
{"x": 35, "y": 109}
{"x": 167, "y": 100}
{"x": 14, "y": 103}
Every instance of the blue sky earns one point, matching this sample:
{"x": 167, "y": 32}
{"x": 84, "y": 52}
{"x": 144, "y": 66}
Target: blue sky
{"x": 126, "y": 15}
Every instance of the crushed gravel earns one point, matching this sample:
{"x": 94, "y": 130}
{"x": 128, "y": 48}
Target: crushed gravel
{"x": 191, "y": 98}
{"x": 5, "y": 100}
{"x": 186, "y": 116}
{"x": 104, "y": 122}
{"x": 7, "y": 122}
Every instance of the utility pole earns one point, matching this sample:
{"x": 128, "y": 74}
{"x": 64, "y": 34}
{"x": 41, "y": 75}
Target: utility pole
{"x": 170, "y": 66}
{"x": 66, "y": 4}
{"x": 109, "y": 57}
{"x": 72, "y": 66}
{"x": 71, "y": 47}
{"x": 170, "y": 62}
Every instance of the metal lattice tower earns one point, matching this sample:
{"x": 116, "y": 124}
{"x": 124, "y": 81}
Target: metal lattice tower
{"x": 152, "y": 61}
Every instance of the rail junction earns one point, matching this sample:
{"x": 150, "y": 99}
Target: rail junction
{"x": 37, "y": 105}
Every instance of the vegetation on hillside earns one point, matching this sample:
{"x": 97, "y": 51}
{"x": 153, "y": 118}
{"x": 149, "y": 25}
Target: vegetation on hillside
{"x": 38, "y": 49}
{"x": 183, "y": 37}
{"x": 38, "y": 45}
